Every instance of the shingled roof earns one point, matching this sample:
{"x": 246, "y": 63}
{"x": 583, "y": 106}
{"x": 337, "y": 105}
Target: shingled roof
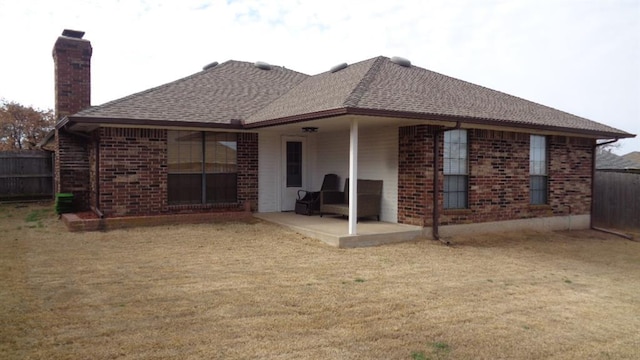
{"x": 382, "y": 87}
{"x": 222, "y": 94}
{"x": 242, "y": 93}
{"x": 609, "y": 161}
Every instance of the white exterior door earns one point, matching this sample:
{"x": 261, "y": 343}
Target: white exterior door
{"x": 293, "y": 170}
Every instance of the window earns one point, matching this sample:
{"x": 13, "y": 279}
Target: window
{"x": 455, "y": 169}
{"x": 294, "y": 164}
{"x": 202, "y": 167}
{"x": 538, "y": 170}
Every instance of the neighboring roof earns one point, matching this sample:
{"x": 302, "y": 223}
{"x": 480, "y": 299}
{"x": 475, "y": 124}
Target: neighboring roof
{"x": 222, "y": 94}
{"x": 633, "y": 156}
{"x": 606, "y": 160}
{"x": 240, "y": 93}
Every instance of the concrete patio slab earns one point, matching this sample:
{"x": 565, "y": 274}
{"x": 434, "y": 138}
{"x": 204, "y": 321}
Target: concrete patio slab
{"x": 334, "y": 230}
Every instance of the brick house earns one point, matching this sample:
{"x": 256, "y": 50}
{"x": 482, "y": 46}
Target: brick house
{"x": 238, "y": 134}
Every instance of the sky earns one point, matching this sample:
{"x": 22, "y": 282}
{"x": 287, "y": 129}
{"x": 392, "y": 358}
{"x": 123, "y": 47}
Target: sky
{"x": 579, "y": 56}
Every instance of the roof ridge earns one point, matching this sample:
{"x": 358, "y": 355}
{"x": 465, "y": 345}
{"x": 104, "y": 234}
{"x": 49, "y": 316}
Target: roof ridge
{"x": 363, "y": 85}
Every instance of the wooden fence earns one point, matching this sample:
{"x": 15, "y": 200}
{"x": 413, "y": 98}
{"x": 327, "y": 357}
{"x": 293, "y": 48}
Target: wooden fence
{"x": 26, "y": 175}
{"x": 617, "y": 200}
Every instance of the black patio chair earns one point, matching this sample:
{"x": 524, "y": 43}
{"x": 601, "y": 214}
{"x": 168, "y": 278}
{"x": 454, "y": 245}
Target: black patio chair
{"x": 308, "y": 202}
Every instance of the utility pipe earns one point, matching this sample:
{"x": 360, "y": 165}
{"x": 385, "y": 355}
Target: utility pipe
{"x": 436, "y": 186}
{"x": 97, "y": 186}
{"x": 97, "y": 212}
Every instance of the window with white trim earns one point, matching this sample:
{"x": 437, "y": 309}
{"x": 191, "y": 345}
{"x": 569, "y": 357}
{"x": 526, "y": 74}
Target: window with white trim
{"x": 538, "y": 188}
{"x": 455, "y": 169}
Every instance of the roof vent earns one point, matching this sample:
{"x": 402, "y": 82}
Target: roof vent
{"x": 401, "y": 61}
{"x": 262, "y": 65}
{"x": 338, "y": 67}
{"x": 209, "y": 66}
{"x": 73, "y": 33}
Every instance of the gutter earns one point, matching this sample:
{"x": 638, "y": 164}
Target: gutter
{"x": 234, "y": 124}
{"x": 67, "y": 129}
{"x": 62, "y": 123}
{"x": 430, "y": 117}
{"x": 436, "y": 186}
{"x": 237, "y": 124}
{"x": 50, "y": 135}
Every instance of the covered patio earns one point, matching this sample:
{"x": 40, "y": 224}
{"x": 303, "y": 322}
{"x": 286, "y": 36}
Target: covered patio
{"x": 334, "y": 230}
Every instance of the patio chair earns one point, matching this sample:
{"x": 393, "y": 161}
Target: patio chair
{"x": 308, "y": 202}
{"x": 369, "y": 200}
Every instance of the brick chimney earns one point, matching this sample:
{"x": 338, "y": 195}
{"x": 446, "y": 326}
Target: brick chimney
{"x": 72, "y": 59}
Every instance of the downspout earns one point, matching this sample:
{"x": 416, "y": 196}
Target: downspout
{"x": 593, "y": 191}
{"x": 436, "y": 188}
{"x": 96, "y": 209}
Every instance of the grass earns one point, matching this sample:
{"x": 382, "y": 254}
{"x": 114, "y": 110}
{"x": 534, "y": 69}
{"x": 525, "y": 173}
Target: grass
{"x": 418, "y": 355}
{"x": 37, "y": 214}
{"x": 241, "y": 291}
{"x": 437, "y": 350}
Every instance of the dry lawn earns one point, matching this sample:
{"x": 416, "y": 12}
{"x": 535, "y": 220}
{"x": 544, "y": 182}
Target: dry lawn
{"x": 255, "y": 291}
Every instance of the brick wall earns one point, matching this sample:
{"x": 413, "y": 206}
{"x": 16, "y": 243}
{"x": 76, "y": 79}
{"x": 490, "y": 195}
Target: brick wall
{"x": 248, "y": 169}
{"x": 72, "y": 168}
{"x": 72, "y": 61}
{"x": 133, "y": 174}
{"x": 570, "y": 164}
{"x": 415, "y": 174}
{"x": 133, "y": 171}
{"x": 498, "y": 177}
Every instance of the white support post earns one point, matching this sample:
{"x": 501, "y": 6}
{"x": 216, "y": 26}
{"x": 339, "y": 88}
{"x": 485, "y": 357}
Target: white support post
{"x": 353, "y": 178}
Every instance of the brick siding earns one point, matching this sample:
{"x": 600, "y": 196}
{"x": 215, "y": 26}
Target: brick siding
{"x": 498, "y": 177}
{"x": 72, "y": 61}
{"x": 133, "y": 174}
{"x": 415, "y": 174}
{"x": 570, "y": 166}
{"x": 72, "y": 168}
{"x": 133, "y": 171}
{"x": 247, "y": 162}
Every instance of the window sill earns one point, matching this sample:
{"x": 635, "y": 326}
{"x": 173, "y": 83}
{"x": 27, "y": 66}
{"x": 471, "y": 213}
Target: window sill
{"x": 457, "y": 212}
{"x": 540, "y": 207}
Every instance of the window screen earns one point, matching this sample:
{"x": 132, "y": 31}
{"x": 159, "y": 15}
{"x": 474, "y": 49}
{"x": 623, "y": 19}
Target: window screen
{"x": 538, "y": 170}
{"x": 455, "y": 169}
{"x": 202, "y": 167}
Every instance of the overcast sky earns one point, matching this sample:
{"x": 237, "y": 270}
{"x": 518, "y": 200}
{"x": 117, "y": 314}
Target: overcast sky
{"x": 579, "y": 56}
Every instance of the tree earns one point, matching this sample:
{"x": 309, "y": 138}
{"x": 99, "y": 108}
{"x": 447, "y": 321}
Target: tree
{"x": 608, "y": 147}
{"x": 22, "y": 127}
